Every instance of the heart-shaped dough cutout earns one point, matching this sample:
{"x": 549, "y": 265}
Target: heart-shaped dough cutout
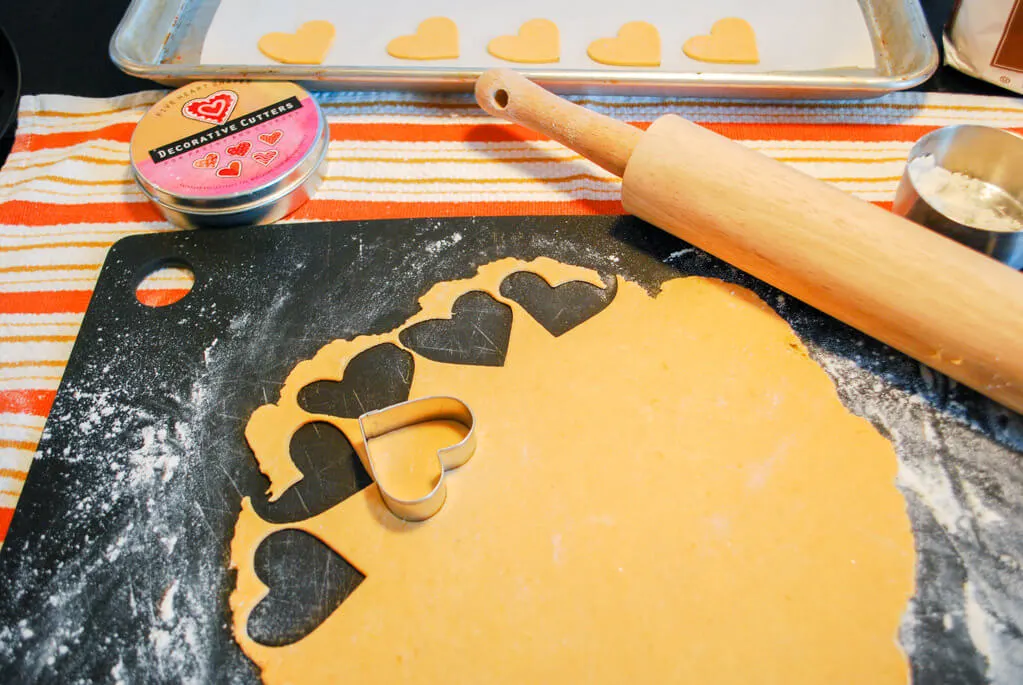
{"x": 638, "y": 44}
{"x": 308, "y": 45}
{"x": 537, "y": 42}
{"x": 731, "y": 41}
{"x": 435, "y": 38}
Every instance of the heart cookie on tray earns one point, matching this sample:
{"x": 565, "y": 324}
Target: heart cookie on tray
{"x": 638, "y": 44}
{"x": 537, "y": 42}
{"x": 308, "y": 45}
{"x": 731, "y": 41}
{"x": 435, "y": 38}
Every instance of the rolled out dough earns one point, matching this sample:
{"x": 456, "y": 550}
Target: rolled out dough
{"x": 669, "y": 492}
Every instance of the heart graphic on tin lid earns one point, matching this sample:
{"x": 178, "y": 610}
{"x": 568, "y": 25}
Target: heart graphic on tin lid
{"x": 210, "y": 161}
{"x": 214, "y": 109}
{"x": 271, "y": 138}
{"x": 231, "y": 170}
{"x": 240, "y": 149}
{"x": 265, "y": 157}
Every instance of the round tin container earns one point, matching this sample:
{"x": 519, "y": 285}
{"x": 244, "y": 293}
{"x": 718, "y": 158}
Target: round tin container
{"x": 224, "y": 154}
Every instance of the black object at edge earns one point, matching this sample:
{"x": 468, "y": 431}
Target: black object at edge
{"x": 10, "y": 82}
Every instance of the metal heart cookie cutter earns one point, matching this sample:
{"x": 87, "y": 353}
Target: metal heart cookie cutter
{"x": 379, "y": 422}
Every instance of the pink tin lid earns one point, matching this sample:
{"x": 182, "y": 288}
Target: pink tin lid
{"x": 228, "y": 153}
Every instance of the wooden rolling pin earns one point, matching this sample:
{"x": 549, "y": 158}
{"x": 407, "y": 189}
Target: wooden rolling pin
{"x": 940, "y": 302}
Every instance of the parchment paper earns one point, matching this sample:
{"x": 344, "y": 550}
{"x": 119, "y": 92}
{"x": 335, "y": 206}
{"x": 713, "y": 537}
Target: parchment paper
{"x": 793, "y": 35}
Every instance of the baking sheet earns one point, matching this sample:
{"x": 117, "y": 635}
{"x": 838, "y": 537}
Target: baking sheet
{"x": 163, "y": 40}
{"x": 792, "y": 35}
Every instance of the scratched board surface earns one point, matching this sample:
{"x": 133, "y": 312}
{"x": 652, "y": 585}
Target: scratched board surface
{"x": 115, "y": 569}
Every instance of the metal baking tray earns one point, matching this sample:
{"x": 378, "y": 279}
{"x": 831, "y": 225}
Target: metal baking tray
{"x": 162, "y": 40}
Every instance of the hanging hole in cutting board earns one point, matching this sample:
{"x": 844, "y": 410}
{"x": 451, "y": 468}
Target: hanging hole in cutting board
{"x": 307, "y": 581}
{"x": 165, "y": 282}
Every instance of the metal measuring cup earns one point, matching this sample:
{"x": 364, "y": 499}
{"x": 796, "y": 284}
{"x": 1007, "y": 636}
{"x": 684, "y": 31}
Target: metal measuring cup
{"x": 988, "y": 154}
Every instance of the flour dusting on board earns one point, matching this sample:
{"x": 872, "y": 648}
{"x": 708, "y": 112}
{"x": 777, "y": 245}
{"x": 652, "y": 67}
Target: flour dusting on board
{"x": 164, "y": 448}
{"x": 961, "y": 487}
{"x": 158, "y": 443}
{"x": 444, "y": 243}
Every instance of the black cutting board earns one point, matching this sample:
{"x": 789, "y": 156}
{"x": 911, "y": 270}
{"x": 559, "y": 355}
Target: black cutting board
{"x": 115, "y": 568}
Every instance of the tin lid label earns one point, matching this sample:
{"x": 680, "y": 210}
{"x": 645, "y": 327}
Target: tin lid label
{"x": 220, "y": 139}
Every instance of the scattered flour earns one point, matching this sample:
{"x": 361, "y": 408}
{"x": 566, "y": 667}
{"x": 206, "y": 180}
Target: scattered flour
{"x": 117, "y": 673}
{"x": 678, "y": 254}
{"x": 976, "y": 621}
{"x": 167, "y": 603}
{"x": 26, "y": 632}
{"x": 444, "y": 243}
{"x": 139, "y": 452}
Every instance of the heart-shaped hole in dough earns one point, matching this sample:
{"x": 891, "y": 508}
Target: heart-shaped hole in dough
{"x": 374, "y": 379}
{"x": 562, "y": 308}
{"x": 331, "y": 473}
{"x": 308, "y": 581}
{"x": 477, "y": 333}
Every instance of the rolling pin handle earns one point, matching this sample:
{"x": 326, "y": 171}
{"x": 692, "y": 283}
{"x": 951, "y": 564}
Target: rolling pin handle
{"x": 509, "y": 95}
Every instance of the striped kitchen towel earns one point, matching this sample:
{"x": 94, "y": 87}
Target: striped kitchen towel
{"x": 66, "y": 194}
